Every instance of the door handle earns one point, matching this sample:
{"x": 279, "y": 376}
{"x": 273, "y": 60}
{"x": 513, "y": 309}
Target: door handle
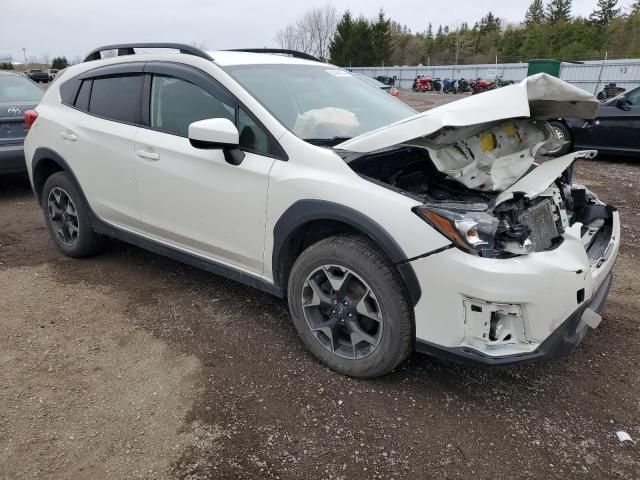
{"x": 148, "y": 155}
{"x": 68, "y": 136}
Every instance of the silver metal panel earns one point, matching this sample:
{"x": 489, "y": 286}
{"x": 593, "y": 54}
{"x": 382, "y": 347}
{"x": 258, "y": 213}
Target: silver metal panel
{"x": 590, "y": 76}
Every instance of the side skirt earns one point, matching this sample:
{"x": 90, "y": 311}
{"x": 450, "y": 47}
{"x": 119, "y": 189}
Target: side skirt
{"x": 104, "y": 228}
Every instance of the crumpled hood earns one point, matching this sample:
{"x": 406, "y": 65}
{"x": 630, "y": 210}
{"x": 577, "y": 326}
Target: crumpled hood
{"x": 539, "y": 96}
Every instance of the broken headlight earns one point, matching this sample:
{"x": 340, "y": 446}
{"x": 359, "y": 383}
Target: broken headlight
{"x": 479, "y": 233}
{"x": 472, "y": 231}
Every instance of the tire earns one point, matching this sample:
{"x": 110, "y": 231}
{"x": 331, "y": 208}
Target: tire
{"x": 374, "y": 290}
{"x": 561, "y": 131}
{"x": 66, "y": 214}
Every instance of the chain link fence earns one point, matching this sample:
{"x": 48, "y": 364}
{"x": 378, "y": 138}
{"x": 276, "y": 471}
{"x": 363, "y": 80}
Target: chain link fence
{"x": 591, "y": 76}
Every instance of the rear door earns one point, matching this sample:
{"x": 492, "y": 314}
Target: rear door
{"x": 96, "y": 138}
{"x": 192, "y": 198}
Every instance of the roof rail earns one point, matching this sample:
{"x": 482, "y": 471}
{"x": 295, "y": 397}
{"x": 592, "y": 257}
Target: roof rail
{"x": 128, "y": 49}
{"x": 281, "y": 51}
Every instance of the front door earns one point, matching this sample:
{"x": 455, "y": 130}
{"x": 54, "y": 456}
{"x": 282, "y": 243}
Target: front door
{"x": 617, "y": 127}
{"x": 192, "y": 198}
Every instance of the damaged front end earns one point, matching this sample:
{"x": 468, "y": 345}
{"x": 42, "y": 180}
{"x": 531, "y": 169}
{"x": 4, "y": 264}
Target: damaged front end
{"x": 480, "y": 187}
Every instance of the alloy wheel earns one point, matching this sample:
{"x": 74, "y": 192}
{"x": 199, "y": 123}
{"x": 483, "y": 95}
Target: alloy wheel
{"x": 63, "y": 216}
{"x": 342, "y": 312}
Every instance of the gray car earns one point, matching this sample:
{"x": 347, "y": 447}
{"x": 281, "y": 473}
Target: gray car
{"x": 17, "y": 95}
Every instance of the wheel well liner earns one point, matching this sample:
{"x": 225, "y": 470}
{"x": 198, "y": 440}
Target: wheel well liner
{"x": 303, "y": 218}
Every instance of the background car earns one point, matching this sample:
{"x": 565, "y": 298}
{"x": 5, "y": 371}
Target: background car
{"x": 372, "y": 81}
{"x": 52, "y": 72}
{"x": 614, "y": 131}
{"x": 37, "y": 75}
{"x": 17, "y": 95}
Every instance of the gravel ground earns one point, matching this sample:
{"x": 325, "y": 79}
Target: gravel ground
{"x": 130, "y": 365}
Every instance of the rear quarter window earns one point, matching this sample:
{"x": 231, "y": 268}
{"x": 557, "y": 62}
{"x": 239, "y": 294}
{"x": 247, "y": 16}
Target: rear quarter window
{"x": 117, "y": 98}
{"x": 82, "y": 100}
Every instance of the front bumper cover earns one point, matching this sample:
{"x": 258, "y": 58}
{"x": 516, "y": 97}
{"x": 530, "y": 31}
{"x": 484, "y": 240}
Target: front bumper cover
{"x": 560, "y": 343}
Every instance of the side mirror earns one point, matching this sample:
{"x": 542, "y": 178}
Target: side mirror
{"x": 217, "y": 133}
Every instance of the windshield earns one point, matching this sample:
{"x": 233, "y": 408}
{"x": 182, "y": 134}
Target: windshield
{"x": 319, "y": 102}
{"x": 14, "y": 88}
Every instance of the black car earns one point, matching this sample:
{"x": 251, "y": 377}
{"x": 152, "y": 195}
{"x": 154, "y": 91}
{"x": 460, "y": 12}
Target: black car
{"x": 614, "y": 131}
{"x": 37, "y": 75}
{"x": 17, "y": 95}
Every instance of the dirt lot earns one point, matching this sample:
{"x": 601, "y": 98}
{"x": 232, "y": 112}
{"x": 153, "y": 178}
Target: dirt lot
{"x": 130, "y": 365}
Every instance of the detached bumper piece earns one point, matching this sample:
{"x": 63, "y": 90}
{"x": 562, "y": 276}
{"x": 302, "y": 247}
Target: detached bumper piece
{"x": 560, "y": 343}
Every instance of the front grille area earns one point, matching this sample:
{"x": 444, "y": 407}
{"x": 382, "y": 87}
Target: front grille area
{"x": 541, "y": 220}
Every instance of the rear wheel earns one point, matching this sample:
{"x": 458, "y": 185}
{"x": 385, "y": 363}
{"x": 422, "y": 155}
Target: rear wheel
{"x": 66, "y": 214}
{"x": 349, "y": 307}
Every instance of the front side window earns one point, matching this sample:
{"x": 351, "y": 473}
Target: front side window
{"x": 633, "y": 97}
{"x": 117, "y": 98}
{"x": 176, "y": 103}
{"x": 319, "y": 102}
{"x": 252, "y": 137}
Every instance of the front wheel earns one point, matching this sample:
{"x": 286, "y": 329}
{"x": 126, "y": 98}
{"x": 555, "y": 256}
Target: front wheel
{"x": 561, "y": 132}
{"x": 350, "y": 308}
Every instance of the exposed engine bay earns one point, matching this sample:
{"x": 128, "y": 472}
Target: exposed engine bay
{"x": 458, "y": 174}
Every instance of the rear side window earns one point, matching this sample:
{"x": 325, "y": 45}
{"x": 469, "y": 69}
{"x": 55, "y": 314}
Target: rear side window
{"x": 117, "y": 98}
{"x": 82, "y": 100}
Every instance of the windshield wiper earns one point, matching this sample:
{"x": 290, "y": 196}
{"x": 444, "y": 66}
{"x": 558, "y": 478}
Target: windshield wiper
{"x": 329, "y": 142}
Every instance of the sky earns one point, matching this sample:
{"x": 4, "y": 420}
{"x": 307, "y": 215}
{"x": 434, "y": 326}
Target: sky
{"x": 74, "y": 27}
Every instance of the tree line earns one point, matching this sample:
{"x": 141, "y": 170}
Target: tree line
{"x": 546, "y": 31}
{"x": 57, "y": 62}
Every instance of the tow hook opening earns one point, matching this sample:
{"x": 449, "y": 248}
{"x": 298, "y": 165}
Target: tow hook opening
{"x": 493, "y": 324}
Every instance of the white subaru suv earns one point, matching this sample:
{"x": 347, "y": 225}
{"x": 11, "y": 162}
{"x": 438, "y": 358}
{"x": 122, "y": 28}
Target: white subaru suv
{"x": 388, "y": 231}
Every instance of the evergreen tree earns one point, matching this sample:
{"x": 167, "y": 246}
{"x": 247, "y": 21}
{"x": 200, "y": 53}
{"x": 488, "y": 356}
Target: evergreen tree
{"x": 439, "y": 34}
{"x": 489, "y": 23}
{"x": 340, "y": 45}
{"x": 59, "y": 63}
{"x": 559, "y": 11}
{"x": 360, "y": 46}
{"x": 381, "y": 40}
{"x": 430, "y": 30}
{"x": 535, "y": 13}
{"x": 605, "y": 12}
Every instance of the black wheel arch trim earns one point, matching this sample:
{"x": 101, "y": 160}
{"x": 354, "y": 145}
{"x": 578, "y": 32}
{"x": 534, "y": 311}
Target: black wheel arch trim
{"x": 43, "y": 153}
{"x": 305, "y": 211}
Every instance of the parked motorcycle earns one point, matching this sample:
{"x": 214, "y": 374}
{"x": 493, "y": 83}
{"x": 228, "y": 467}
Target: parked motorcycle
{"x": 437, "y": 84}
{"x": 502, "y": 83}
{"x": 463, "y": 86}
{"x": 422, "y": 84}
{"x": 480, "y": 85}
{"x": 450, "y": 85}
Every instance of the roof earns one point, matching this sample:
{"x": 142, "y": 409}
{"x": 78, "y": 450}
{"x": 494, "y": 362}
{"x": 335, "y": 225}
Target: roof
{"x": 228, "y": 58}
